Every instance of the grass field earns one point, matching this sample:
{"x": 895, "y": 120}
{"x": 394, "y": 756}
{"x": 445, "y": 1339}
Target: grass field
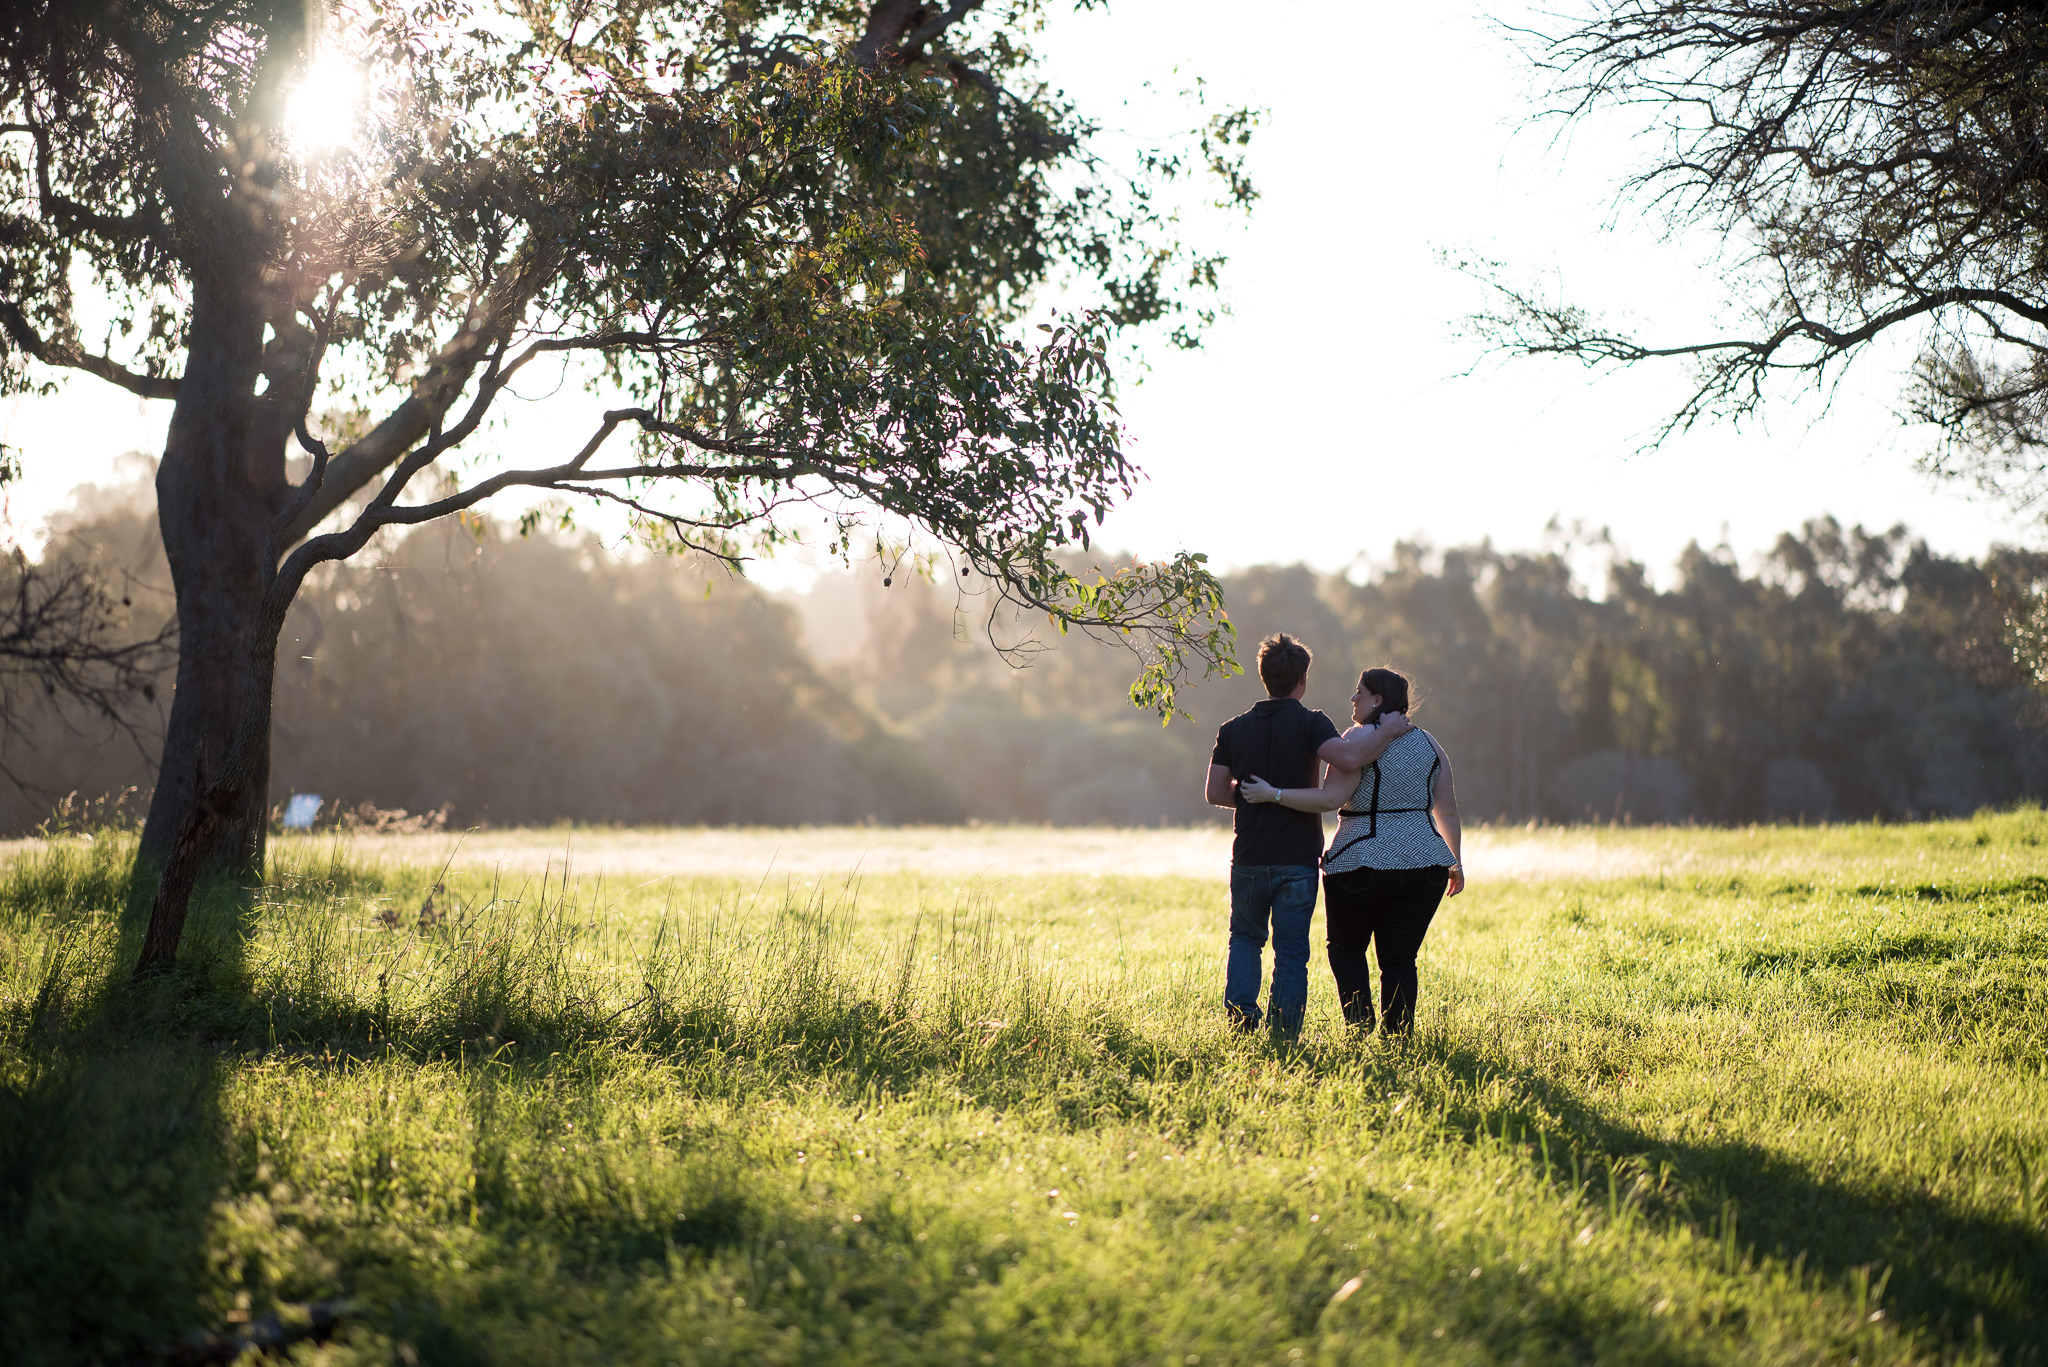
{"x": 1757, "y": 1096}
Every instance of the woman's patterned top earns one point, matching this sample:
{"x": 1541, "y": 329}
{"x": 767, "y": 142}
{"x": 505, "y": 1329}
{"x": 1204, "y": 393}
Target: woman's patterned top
{"x": 1386, "y": 824}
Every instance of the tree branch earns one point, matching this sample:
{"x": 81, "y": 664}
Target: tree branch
{"x": 60, "y": 638}
{"x": 894, "y": 30}
{"x": 73, "y": 357}
{"x": 1567, "y": 336}
{"x": 887, "y": 23}
{"x": 69, "y": 212}
{"x": 912, "y": 47}
{"x": 364, "y": 459}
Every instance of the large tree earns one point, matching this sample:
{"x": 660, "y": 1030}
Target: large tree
{"x": 1880, "y": 172}
{"x": 782, "y": 242}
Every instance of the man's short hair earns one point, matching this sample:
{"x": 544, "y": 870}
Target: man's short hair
{"x": 1283, "y": 663}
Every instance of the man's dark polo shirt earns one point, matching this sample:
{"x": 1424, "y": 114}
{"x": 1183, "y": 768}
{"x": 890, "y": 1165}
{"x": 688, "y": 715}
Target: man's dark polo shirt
{"x": 1277, "y": 740}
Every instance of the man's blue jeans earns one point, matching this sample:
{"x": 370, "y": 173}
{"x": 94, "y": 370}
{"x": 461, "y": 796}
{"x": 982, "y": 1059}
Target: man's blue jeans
{"x": 1284, "y": 897}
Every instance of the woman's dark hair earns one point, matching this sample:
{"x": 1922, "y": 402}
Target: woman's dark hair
{"x": 1391, "y": 689}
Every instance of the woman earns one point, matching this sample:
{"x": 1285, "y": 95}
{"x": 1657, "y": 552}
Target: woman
{"x": 1393, "y": 859}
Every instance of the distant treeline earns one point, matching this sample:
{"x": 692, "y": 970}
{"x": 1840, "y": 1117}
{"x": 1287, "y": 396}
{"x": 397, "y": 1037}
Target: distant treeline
{"x": 535, "y": 680}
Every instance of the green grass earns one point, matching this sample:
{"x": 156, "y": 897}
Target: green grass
{"x": 1784, "y": 1101}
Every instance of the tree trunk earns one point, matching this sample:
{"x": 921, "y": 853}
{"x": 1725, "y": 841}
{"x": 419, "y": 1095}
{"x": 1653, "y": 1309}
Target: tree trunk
{"x": 220, "y": 802}
{"x": 216, "y": 615}
{"x": 221, "y": 483}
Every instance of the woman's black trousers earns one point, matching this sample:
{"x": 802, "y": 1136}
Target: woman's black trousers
{"x": 1392, "y": 908}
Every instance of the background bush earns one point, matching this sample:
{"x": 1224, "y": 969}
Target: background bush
{"x": 514, "y": 680}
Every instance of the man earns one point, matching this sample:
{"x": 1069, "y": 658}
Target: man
{"x": 1274, "y": 856}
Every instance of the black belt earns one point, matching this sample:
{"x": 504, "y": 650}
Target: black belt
{"x": 1372, "y": 830}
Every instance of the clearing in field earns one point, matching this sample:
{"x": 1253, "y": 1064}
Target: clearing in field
{"x": 1771, "y": 1095}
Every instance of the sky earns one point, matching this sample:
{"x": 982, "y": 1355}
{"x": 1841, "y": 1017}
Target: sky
{"x": 1333, "y": 414}
{"x": 1337, "y": 411}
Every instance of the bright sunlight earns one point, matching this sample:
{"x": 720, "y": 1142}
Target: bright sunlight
{"x": 323, "y": 112}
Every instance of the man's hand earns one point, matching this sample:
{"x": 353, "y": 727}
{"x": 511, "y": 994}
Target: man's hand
{"x": 1364, "y": 744}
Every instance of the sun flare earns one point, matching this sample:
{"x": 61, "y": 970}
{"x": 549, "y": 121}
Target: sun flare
{"x": 322, "y": 113}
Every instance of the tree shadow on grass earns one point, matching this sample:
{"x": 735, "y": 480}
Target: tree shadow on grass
{"x": 112, "y": 1159}
{"x": 112, "y": 1146}
{"x": 1961, "y": 1276}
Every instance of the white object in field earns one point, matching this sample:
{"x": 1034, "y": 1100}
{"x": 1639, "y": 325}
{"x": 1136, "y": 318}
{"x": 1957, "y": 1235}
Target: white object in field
{"x": 300, "y": 810}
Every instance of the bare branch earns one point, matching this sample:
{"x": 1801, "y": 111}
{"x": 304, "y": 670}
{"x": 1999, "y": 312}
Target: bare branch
{"x": 1883, "y": 167}
{"x": 60, "y": 640}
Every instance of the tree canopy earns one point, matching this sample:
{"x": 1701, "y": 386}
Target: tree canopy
{"x": 782, "y": 244}
{"x": 787, "y": 267}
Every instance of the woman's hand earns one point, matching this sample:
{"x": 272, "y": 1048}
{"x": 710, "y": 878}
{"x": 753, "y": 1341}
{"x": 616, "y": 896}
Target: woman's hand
{"x": 1457, "y": 883}
{"x": 1256, "y": 789}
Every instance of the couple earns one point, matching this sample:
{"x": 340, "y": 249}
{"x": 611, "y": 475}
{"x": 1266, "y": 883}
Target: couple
{"x": 1392, "y": 860}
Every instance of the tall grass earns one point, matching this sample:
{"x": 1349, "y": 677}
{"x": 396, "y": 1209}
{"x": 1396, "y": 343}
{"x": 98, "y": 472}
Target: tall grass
{"x": 1793, "y": 1109}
